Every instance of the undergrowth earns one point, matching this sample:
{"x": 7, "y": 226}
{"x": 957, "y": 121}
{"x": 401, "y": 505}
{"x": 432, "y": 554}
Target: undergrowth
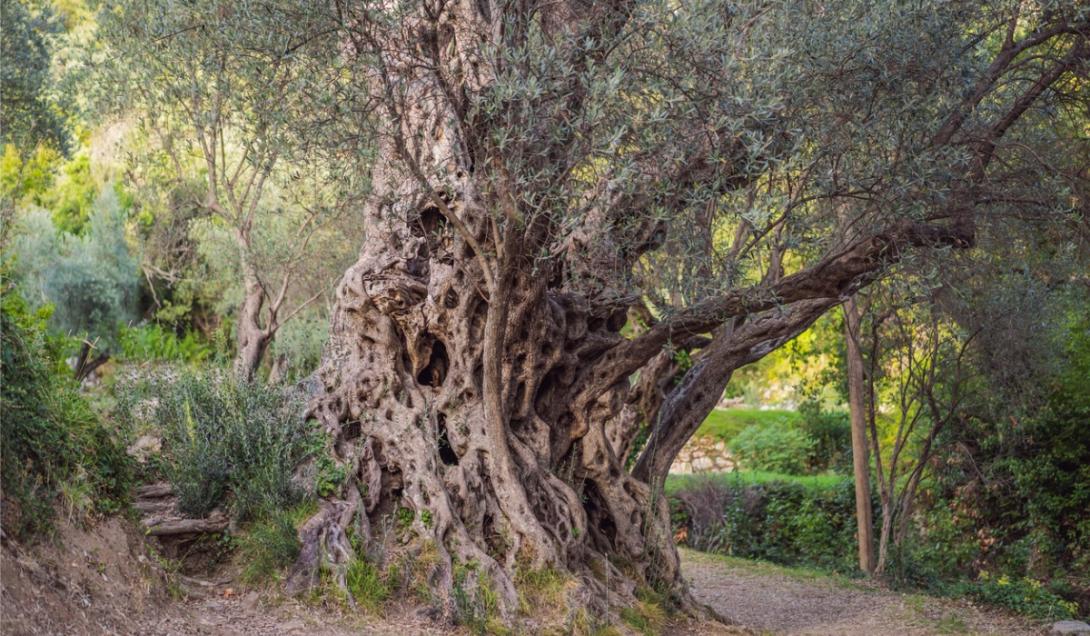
{"x": 222, "y": 436}
{"x": 54, "y": 447}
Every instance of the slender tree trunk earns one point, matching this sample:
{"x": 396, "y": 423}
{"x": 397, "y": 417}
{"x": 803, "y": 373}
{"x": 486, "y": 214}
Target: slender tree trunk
{"x": 884, "y": 535}
{"x": 252, "y": 338}
{"x": 857, "y": 404}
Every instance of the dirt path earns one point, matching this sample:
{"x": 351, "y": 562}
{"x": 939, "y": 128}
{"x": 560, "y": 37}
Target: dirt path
{"x": 101, "y": 580}
{"x": 769, "y": 599}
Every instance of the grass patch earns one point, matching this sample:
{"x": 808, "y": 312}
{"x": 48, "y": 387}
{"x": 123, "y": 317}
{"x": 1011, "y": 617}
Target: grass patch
{"x": 367, "y": 585}
{"x": 816, "y": 483}
{"x": 726, "y": 423}
{"x": 648, "y": 615}
{"x": 271, "y": 544}
{"x": 766, "y": 568}
{"x": 540, "y": 590}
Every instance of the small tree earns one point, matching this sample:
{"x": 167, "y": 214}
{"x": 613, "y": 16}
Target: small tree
{"x": 914, "y": 367}
{"x": 211, "y": 86}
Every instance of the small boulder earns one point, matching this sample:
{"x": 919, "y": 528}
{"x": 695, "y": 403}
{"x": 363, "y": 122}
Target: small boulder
{"x": 1070, "y": 627}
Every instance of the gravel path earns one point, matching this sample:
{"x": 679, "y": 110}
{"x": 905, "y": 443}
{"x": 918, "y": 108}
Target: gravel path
{"x": 769, "y": 599}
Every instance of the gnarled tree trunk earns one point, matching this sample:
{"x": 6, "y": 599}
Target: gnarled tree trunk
{"x": 477, "y": 374}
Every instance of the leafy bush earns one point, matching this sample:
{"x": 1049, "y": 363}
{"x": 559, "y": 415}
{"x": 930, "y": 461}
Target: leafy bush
{"x": 1023, "y": 595}
{"x": 793, "y": 522}
{"x": 832, "y": 435}
{"x": 91, "y": 280}
{"x": 52, "y": 442}
{"x": 152, "y": 342}
{"x": 1018, "y": 480}
{"x": 775, "y": 448}
{"x": 223, "y": 436}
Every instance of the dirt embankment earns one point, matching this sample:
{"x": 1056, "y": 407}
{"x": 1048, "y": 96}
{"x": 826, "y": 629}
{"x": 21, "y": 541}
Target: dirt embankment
{"x": 105, "y": 579}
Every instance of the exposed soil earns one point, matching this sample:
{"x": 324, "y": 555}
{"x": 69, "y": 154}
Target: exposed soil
{"x": 769, "y": 599}
{"x": 105, "y": 580}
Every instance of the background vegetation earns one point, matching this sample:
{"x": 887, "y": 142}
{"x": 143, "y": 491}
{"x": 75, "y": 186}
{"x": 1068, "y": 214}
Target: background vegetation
{"x": 118, "y": 247}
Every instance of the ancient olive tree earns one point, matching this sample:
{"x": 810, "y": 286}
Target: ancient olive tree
{"x": 584, "y": 216}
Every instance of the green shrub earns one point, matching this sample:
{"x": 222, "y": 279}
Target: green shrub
{"x": 832, "y": 435}
{"x": 52, "y": 442}
{"x": 92, "y": 280}
{"x": 775, "y": 448}
{"x": 1018, "y": 478}
{"x": 1023, "y": 595}
{"x": 222, "y": 436}
{"x": 153, "y": 342}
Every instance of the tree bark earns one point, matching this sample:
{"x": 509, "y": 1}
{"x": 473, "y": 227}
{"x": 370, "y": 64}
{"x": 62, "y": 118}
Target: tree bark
{"x": 476, "y": 375}
{"x": 857, "y": 405}
{"x": 251, "y": 337}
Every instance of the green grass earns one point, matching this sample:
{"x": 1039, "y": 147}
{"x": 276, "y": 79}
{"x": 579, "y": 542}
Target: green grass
{"x": 675, "y": 483}
{"x": 726, "y": 423}
{"x": 766, "y": 568}
{"x": 271, "y": 544}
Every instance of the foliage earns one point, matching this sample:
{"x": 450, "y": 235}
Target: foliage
{"x": 30, "y": 111}
{"x": 27, "y": 179}
{"x": 785, "y": 520}
{"x": 72, "y": 199}
{"x": 224, "y": 436}
{"x": 727, "y": 423}
{"x": 832, "y": 435}
{"x": 91, "y": 280}
{"x": 152, "y": 342}
{"x": 51, "y": 441}
{"x": 775, "y": 448}
{"x": 1019, "y": 481}
{"x": 1023, "y": 595}
{"x": 829, "y": 432}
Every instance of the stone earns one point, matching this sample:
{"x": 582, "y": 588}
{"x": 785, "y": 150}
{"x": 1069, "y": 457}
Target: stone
{"x": 702, "y": 464}
{"x": 1070, "y": 627}
{"x": 144, "y": 447}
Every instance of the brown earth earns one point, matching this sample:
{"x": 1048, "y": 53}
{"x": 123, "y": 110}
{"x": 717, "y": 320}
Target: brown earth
{"x": 773, "y": 600}
{"x": 104, "y": 579}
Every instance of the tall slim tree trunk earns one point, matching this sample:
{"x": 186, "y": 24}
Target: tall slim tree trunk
{"x": 857, "y": 404}
{"x": 251, "y": 337}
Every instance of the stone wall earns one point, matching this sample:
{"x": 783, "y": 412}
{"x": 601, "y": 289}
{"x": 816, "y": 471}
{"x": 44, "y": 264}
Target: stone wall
{"x": 703, "y": 454}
